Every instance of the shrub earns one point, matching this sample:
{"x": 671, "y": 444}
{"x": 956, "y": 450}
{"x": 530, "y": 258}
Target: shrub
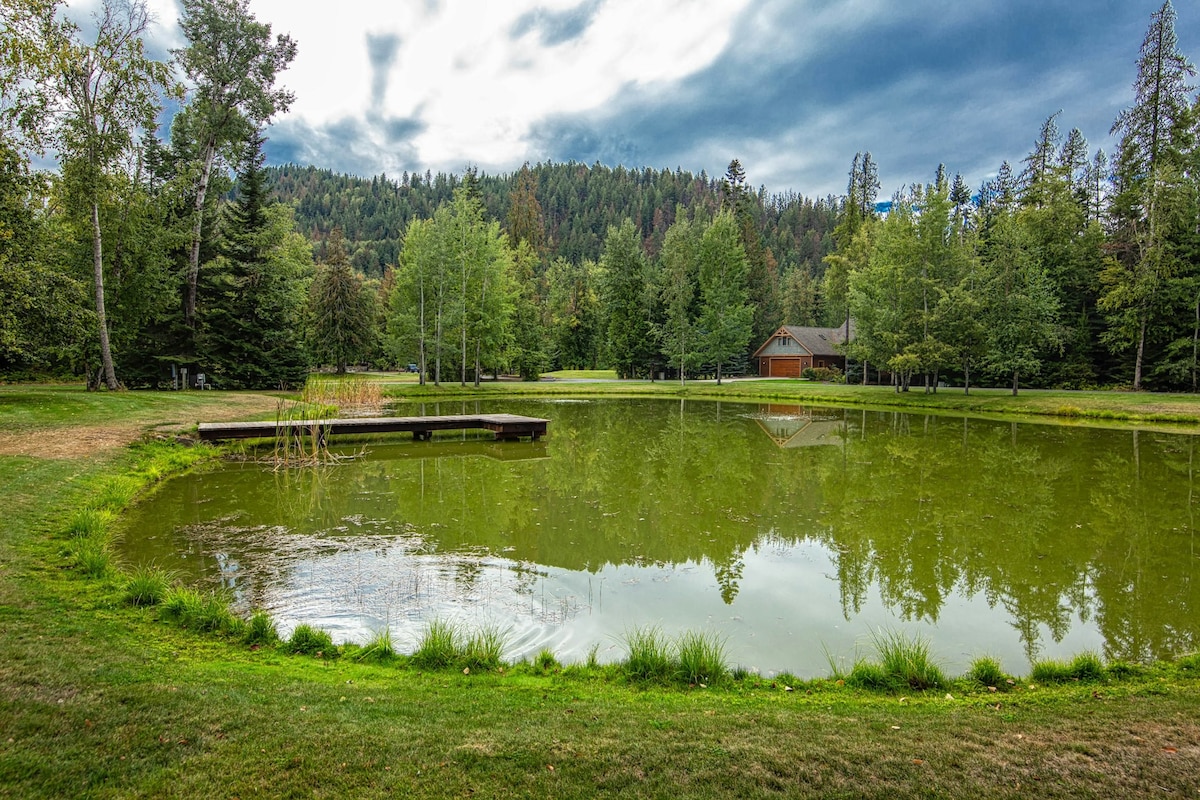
{"x": 310, "y": 641}
{"x": 702, "y": 658}
{"x": 147, "y": 586}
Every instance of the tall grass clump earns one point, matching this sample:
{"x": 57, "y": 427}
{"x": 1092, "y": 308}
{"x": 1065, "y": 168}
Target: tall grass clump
{"x": 986, "y": 671}
{"x": 300, "y": 435}
{"x": 1087, "y": 666}
{"x": 484, "y": 648}
{"x": 343, "y": 391}
{"x": 147, "y": 586}
{"x": 204, "y": 612}
{"x": 702, "y": 658}
{"x": 546, "y": 662}
{"x": 116, "y": 493}
{"x": 380, "y": 648}
{"x": 652, "y": 656}
{"x": 89, "y": 523}
{"x": 310, "y": 641}
{"x": 92, "y": 557}
{"x": 903, "y": 662}
{"x": 439, "y": 646}
{"x": 260, "y": 630}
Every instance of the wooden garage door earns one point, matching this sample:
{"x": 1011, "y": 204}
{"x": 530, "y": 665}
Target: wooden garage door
{"x": 785, "y": 368}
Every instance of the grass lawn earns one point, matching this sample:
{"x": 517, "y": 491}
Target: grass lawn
{"x": 101, "y": 699}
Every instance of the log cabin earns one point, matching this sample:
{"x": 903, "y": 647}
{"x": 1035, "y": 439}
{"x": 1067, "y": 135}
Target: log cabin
{"x": 794, "y": 348}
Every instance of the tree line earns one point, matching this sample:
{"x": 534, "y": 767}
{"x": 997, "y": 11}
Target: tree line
{"x": 139, "y": 255}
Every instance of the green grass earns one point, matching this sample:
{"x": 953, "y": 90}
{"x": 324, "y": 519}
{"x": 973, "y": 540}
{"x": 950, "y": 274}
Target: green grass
{"x": 986, "y": 671}
{"x": 651, "y": 656}
{"x": 102, "y": 699}
{"x": 702, "y": 658}
{"x": 147, "y": 586}
{"x": 203, "y": 612}
{"x": 379, "y": 649}
{"x": 260, "y": 630}
{"x": 439, "y": 646}
{"x": 483, "y": 649}
{"x": 1087, "y": 666}
{"x": 309, "y": 641}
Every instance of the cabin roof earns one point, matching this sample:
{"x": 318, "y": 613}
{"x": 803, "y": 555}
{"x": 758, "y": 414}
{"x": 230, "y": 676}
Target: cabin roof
{"x": 817, "y": 341}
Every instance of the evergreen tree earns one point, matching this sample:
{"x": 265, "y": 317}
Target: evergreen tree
{"x": 1148, "y": 209}
{"x": 342, "y": 310}
{"x": 625, "y": 301}
{"x": 255, "y": 293}
{"x": 726, "y": 318}
{"x": 680, "y": 275}
{"x": 232, "y": 62}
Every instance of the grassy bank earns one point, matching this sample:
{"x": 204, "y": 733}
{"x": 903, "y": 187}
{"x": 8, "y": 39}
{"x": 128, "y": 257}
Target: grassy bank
{"x": 102, "y": 698}
{"x": 1182, "y": 409}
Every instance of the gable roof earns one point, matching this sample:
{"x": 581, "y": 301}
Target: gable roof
{"x": 817, "y": 341}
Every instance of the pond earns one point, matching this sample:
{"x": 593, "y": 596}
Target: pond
{"x": 794, "y": 532}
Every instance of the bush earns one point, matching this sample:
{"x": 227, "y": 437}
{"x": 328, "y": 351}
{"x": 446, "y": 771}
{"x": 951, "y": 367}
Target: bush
{"x": 823, "y": 374}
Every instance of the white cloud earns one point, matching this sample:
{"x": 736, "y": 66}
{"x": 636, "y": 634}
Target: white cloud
{"x": 478, "y": 90}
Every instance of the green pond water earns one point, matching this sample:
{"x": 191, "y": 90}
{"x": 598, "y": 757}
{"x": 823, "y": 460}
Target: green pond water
{"x": 792, "y": 531}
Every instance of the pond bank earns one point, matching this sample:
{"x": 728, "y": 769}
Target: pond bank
{"x": 1138, "y": 407}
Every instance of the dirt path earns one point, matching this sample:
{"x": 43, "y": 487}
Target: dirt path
{"x": 86, "y": 440}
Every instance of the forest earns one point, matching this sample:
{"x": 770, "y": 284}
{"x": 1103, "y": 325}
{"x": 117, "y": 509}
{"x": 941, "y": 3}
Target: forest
{"x": 151, "y": 254}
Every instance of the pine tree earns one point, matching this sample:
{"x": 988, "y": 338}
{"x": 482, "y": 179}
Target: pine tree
{"x": 1157, "y": 138}
{"x": 726, "y": 318}
{"x": 341, "y": 309}
{"x": 254, "y": 296}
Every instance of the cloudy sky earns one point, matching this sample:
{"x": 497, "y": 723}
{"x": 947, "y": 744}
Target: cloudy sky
{"x": 792, "y": 88}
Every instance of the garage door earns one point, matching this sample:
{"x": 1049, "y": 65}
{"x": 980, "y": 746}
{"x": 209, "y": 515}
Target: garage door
{"x": 785, "y": 368}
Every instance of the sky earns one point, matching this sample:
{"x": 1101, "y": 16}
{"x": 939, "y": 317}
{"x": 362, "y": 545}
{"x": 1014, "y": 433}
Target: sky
{"x": 791, "y": 88}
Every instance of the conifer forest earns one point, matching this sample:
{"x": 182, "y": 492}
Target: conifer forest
{"x": 151, "y": 249}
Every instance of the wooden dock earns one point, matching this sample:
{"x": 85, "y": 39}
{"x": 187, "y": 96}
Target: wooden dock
{"x": 505, "y": 426}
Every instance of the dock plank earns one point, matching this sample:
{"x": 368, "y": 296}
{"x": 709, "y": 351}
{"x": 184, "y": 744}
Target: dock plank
{"x": 505, "y": 426}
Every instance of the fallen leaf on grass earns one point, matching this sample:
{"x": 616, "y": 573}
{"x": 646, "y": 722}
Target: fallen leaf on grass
{"x": 895, "y": 727}
{"x": 1170, "y": 750}
{"x": 918, "y": 761}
